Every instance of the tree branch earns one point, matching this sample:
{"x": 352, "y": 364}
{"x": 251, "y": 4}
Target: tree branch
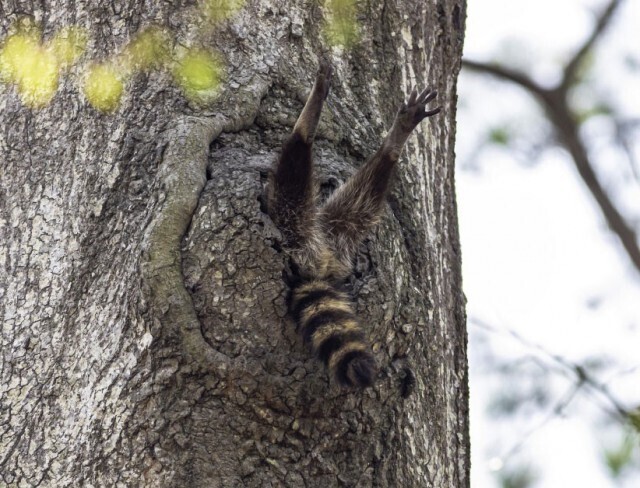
{"x": 557, "y": 107}
{"x": 572, "y": 66}
{"x": 506, "y": 74}
{"x": 567, "y": 128}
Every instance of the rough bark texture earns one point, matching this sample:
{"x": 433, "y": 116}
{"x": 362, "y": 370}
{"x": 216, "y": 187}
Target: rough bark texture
{"x": 144, "y": 332}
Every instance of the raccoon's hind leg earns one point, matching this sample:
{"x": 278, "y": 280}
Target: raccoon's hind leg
{"x": 356, "y": 206}
{"x": 308, "y": 119}
{"x": 291, "y": 197}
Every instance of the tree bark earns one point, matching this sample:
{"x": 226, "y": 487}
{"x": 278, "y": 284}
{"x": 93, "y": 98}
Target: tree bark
{"x": 145, "y": 340}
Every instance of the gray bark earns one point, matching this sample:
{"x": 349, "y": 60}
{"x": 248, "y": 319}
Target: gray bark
{"x": 145, "y": 340}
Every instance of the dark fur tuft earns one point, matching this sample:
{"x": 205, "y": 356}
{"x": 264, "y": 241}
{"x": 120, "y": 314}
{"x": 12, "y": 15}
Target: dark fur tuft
{"x": 357, "y": 369}
{"x": 408, "y": 383}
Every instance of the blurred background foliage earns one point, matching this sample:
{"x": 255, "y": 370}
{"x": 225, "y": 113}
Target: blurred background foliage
{"x": 532, "y": 102}
{"x": 34, "y": 65}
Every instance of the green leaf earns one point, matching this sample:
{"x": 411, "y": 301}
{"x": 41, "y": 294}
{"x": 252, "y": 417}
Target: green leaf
{"x": 499, "y": 136}
{"x": 518, "y": 477}
{"x": 598, "y": 109}
{"x": 618, "y": 459}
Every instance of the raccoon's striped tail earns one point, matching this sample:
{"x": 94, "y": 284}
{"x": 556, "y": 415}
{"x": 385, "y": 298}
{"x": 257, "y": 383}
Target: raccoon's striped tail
{"x": 326, "y": 320}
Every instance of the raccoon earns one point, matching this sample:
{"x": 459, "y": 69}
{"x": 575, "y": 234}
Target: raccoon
{"x": 321, "y": 241}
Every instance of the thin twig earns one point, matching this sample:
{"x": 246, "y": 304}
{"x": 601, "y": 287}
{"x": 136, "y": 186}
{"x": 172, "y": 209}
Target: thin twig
{"x": 573, "y": 65}
{"x": 581, "y": 375}
{"x": 557, "y": 409}
{"x": 624, "y": 136}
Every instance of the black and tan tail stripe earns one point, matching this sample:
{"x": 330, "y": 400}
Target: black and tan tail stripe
{"x": 327, "y": 323}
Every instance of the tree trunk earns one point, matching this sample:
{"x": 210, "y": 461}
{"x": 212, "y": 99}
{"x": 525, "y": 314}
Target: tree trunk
{"x": 145, "y": 340}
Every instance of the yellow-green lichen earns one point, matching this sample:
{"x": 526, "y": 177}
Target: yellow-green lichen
{"x": 32, "y": 67}
{"x": 149, "y": 49}
{"x": 68, "y": 45}
{"x": 199, "y": 73}
{"x": 341, "y": 28}
{"x": 219, "y": 10}
{"x": 103, "y": 87}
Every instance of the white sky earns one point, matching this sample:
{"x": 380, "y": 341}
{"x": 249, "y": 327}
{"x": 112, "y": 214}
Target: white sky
{"x": 537, "y": 257}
